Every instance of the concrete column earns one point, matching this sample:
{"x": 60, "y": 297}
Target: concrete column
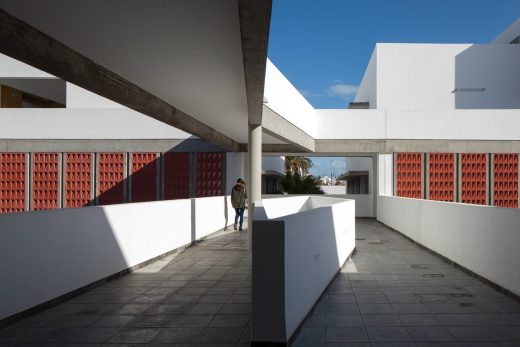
{"x": 255, "y": 175}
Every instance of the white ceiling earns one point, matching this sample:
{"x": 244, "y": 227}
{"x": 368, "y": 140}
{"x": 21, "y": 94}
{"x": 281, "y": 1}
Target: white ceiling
{"x": 187, "y": 52}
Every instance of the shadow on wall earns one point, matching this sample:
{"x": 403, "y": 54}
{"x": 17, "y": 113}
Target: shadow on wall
{"x": 486, "y": 77}
{"x": 86, "y": 245}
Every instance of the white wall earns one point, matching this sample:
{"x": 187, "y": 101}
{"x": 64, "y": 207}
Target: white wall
{"x": 385, "y": 174}
{"x": 367, "y": 90}
{"x": 285, "y": 100}
{"x": 83, "y": 124}
{"x": 235, "y": 169}
{"x": 319, "y": 235}
{"x": 46, "y": 254}
{"x": 334, "y": 190}
{"x": 12, "y": 68}
{"x": 211, "y": 214}
{"x": 423, "y": 76}
{"x": 78, "y": 97}
{"x": 485, "y": 124}
{"x": 483, "y": 239}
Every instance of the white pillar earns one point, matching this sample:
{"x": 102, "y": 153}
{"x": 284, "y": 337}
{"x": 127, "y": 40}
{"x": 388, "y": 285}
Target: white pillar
{"x": 255, "y": 175}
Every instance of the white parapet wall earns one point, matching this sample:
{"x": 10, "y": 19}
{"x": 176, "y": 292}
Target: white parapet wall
{"x": 483, "y": 239}
{"x": 47, "y": 254}
{"x": 299, "y": 244}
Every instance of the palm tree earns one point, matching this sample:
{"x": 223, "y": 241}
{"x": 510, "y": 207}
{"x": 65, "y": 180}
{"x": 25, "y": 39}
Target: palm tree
{"x": 295, "y": 184}
{"x": 297, "y": 164}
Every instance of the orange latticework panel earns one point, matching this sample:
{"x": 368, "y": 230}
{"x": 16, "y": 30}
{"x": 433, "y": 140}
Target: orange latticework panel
{"x": 111, "y": 176}
{"x": 505, "y": 180}
{"x": 12, "y": 182}
{"x": 473, "y": 178}
{"x": 210, "y": 174}
{"x": 409, "y": 175}
{"x": 77, "y": 179}
{"x": 45, "y": 181}
{"x": 176, "y": 175}
{"x": 441, "y": 176}
{"x": 144, "y": 177}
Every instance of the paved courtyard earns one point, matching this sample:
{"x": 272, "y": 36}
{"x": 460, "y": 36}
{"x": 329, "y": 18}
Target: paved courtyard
{"x": 391, "y": 293}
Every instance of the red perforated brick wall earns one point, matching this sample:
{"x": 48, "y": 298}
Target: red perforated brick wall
{"x": 144, "y": 177}
{"x": 409, "y": 175}
{"x": 441, "y": 176}
{"x": 505, "y": 180}
{"x": 111, "y": 177}
{"x": 45, "y": 181}
{"x": 210, "y": 174}
{"x": 77, "y": 179}
{"x": 473, "y": 178}
{"x": 176, "y": 175}
{"x": 12, "y": 182}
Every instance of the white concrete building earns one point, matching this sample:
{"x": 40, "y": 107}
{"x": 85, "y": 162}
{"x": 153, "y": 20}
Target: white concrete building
{"x": 134, "y": 116}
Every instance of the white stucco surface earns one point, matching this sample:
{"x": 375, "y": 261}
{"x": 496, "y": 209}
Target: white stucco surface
{"x": 319, "y": 237}
{"x": 46, "y": 254}
{"x": 483, "y": 239}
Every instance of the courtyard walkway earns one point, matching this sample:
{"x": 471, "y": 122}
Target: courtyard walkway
{"x": 391, "y": 293}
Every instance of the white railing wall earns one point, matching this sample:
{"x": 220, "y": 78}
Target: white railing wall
{"x": 46, "y": 254}
{"x": 483, "y": 239}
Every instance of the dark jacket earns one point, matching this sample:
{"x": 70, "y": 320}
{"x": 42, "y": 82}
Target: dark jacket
{"x": 238, "y": 196}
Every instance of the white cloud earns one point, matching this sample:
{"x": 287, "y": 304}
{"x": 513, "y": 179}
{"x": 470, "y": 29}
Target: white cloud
{"x": 338, "y": 164}
{"x": 342, "y": 90}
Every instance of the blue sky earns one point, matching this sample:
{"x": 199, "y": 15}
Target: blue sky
{"x": 323, "y": 47}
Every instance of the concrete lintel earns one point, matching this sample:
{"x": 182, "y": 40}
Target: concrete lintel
{"x": 452, "y": 146}
{"x": 255, "y": 19}
{"x": 275, "y": 148}
{"x": 423, "y": 146}
{"x": 277, "y": 126}
{"x": 29, "y": 45}
{"x": 43, "y": 145}
{"x": 355, "y": 146}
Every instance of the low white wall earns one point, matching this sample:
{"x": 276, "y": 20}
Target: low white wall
{"x": 483, "y": 239}
{"x": 364, "y": 203}
{"x": 46, "y": 254}
{"x": 211, "y": 214}
{"x": 334, "y": 190}
{"x": 318, "y": 235}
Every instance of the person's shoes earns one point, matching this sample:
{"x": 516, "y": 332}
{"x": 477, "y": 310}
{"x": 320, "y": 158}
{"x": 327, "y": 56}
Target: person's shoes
{"x": 235, "y": 226}
{"x": 240, "y": 229}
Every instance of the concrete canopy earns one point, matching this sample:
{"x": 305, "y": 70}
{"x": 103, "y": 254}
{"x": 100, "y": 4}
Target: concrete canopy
{"x": 198, "y": 65}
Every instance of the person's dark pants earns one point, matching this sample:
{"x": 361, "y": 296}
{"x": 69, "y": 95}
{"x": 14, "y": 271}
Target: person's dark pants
{"x": 239, "y": 213}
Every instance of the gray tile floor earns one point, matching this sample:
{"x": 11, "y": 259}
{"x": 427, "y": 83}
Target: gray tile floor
{"x": 391, "y": 293}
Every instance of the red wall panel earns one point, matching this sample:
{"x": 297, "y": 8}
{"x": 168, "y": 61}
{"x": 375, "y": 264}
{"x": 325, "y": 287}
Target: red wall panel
{"x": 176, "y": 175}
{"x": 111, "y": 178}
{"x": 441, "y": 167}
{"x": 473, "y": 178}
{"x": 144, "y": 177}
{"x": 12, "y": 182}
{"x": 77, "y": 179}
{"x": 505, "y": 180}
{"x": 45, "y": 181}
{"x": 409, "y": 175}
{"x": 210, "y": 174}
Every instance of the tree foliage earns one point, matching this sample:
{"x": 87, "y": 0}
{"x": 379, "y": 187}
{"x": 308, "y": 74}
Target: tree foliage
{"x": 295, "y": 184}
{"x": 298, "y": 164}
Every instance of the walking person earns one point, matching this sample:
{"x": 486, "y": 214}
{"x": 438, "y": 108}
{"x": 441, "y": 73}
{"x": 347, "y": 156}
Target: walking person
{"x": 239, "y": 201}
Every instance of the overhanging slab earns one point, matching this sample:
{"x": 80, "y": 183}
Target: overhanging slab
{"x": 279, "y": 127}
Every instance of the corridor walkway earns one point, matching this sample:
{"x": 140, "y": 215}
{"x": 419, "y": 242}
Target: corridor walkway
{"x": 391, "y": 293}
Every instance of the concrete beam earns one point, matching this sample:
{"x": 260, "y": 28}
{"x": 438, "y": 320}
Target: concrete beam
{"x": 278, "y": 127}
{"x": 255, "y": 19}
{"x": 29, "y": 45}
{"x": 425, "y": 146}
{"x": 275, "y": 148}
{"x": 44, "y": 145}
